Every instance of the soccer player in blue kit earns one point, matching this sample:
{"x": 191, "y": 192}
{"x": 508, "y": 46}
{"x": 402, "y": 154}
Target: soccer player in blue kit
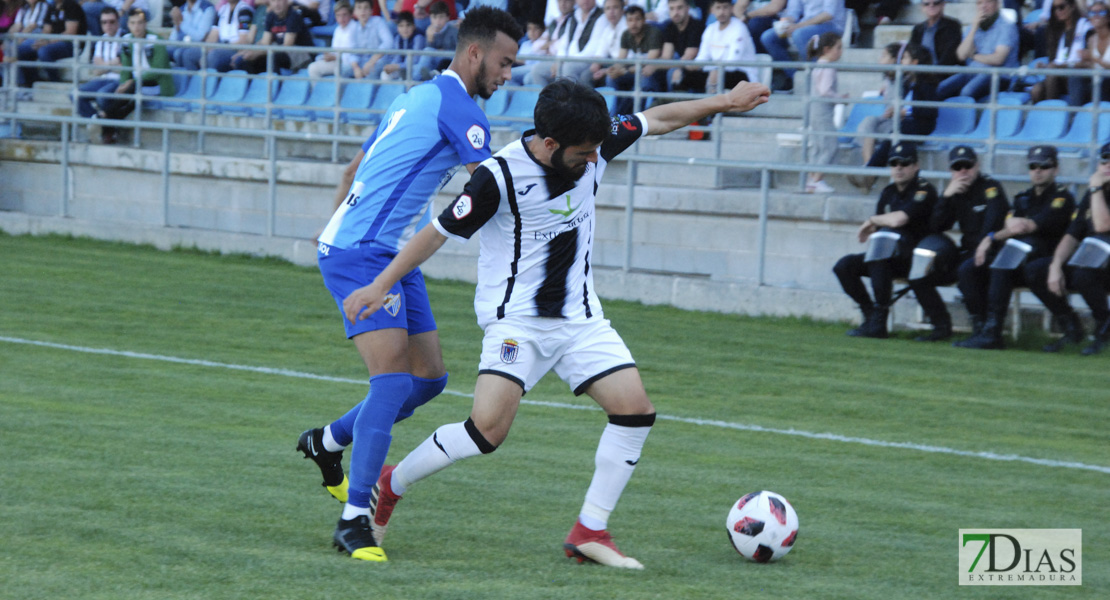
{"x": 425, "y": 134}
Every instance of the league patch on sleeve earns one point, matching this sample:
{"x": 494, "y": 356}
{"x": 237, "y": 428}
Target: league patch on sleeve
{"x": 991, "y": 193}
{"x": 476, "y": 136}
{"x": 1058, "y": 203}
{"x": 462, "y": 207}
{"x": 920, "y": 195}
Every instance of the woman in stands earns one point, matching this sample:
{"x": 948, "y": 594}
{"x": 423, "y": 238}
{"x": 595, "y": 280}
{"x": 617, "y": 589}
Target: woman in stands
{"x": 1066, "y": 38}
{"x": 1096, "y": 54}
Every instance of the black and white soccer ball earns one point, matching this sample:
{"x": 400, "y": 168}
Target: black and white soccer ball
{"x": 762, "y": 526}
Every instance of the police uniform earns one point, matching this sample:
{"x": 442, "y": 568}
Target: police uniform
{"x": 1092, "y": 284}
{"x": 988, "y": 290}
{"x": 918, "y": 200}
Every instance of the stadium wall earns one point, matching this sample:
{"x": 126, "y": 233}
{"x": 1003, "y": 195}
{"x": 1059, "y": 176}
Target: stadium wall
{"x": 692, "y": 248}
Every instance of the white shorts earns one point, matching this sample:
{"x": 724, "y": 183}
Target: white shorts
{"x": 524, "y": 349}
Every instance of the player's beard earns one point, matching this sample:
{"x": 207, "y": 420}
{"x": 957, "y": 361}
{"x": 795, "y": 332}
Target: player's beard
{"x": 563, "y": 169}
{"x": 481, "y": 78}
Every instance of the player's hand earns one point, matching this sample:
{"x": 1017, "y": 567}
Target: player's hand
{"x": 1020, "y": 226}
{"x": 958, "y": 185}
{"x": 865, "y": 230}
{"x": 981, "y": 251}
{"x": 363, "y": 302}
{"x": 1097, "y": 179}
{"x": 1056, "y": 280}
{"x": 746, "y": 96}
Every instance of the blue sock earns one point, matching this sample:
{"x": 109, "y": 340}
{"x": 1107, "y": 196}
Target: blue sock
{"x": 343, "y": 429}
{"x": 388, "y": 393}
{"x": 423, "y": 390}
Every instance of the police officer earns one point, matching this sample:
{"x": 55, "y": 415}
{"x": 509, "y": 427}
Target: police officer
{"x": 904, "y": 209}
{"x": 1050, "y": 277}
{"x": 1038, "y": 219}
{"x": 978, "y": 203}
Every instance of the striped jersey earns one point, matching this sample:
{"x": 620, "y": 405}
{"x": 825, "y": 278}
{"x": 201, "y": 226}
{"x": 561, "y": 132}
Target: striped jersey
{"x": 425, "y": 135}
{"x": 537, "y": 230}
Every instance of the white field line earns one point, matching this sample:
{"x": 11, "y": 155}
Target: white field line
{"x": 833, "y": 437}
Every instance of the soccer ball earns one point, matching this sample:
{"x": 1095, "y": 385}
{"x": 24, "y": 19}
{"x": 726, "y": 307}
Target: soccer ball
{"x": 762, "y": 526}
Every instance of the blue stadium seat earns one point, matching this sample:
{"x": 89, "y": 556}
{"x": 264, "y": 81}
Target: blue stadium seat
{"x": 255, "y": 97}
{"x": 953, "y": 121}
{"x": 1021, "y": 97}
{"x": 522, "y": 104}
{"x": 1040, "y": 125}
{"x": 186, "y": 98}
{"x": 292, "y": 94}
{"x": 385, "y": 96}
{"x": 610, "y": 98}
{"x": 357, "y": 96}
{"x": 1080, "y": 130}
{"x": 231, "y": 89}
{"x": 1007, "y": 123}
{"x": 497, "y": 103}
{"x": 322, "y": 96}
{"x": 180, "y": 82}
{"x": 856, "y": 116}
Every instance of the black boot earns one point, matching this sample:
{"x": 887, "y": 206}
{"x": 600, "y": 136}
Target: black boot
{"x": 1102, "y": 338}
{"x": 874, "y": 324}
{"x": 866, "y": 312}
{"x": 976, "y": 329}
{"x": 989, "y": 337}
{"x": 1073, "y": 333}
{"x": 942, "y": 329}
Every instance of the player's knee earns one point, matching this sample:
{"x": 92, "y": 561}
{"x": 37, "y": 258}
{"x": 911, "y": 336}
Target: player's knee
{"x": 485, "y": 445}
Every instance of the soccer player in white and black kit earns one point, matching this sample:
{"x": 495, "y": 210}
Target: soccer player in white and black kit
{"x": 535, "y": 203}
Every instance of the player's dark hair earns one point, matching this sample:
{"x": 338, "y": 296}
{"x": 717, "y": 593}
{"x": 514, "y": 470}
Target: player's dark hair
{"x": 818, "y": 44}
{"x": 720, "y": 2}
{"x": 439, "y": 8}
{"x": 136, "y": 11}
{"x": 341, "y": 4}
{"x": 108, "y": 10}
{"x": 406, "y": 17}
{"x": 482, "y": 25}
{"x": 571, "y": 113}
{"x": 634, "y": 9}
{"x": 358, "y": 2}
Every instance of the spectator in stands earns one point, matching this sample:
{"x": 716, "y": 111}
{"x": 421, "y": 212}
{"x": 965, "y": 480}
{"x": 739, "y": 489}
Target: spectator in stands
{"x": 913, "y": 119}
{"x": 578, "y": 42}
{"x": 233, "y": 25}
{"x": 258, "y": 23}
{"x": 395, "y": 66}
{"x": 535, "y": 44}
{"x": 759, "y": 16}
{"x": 905, "y": 208}
{"x": 191, "y": 23}
{"x": 315, "y": 12}
{"x": 655, "y": 11}
{"x": 1096, "y": 54}
{"x": 681, "y": 39}
{"x": 284, "y": 27}
{"x": 8, "y": 10}
{"x": 92, "y": 10}
{"x": 827, "y": 47}
{"x": 371, "y": 32}
{"x": 419, "y": 10}
{"x": 1034, "y": 33}
{"x": 991, "y": 41}
{"x": 1067, "y": 38}
{"x": 885, "y": 10}
{"x": 606, "y": 38}
{"x": 342, "y": 38}
{"x": 640, "y": 40}
{"x": 884, "y": 123}
{"x": 802, "y": 20}
{"x": 105, "y": 54}
{"x": 28, "y": 19}
{"x": 441, "y": 35}
{"x": 979, "y": 204}
{"x": 138, "y": 58}
{"x": 553, "y": 38}
{"x": 939, "y": 33}
{"x": 1039, "y": 219}
{"x": 1050, "y": 278}
{"x": 63, "y": 17}
{"x": 726, "y": 40}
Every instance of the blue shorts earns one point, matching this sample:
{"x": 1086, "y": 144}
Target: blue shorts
{"x": 345, "y": 271}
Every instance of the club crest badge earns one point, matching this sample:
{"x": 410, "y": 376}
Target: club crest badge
{"x": 392, "y": 304}
{"x": 509, "y": 351}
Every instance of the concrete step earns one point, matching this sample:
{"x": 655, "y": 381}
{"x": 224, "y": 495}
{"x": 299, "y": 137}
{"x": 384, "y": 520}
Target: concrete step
{"x": 889, "y": 34}
{"x": 49, "y": 92}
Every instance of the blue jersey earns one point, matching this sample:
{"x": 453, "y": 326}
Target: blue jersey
{"x": 426, "y": 133}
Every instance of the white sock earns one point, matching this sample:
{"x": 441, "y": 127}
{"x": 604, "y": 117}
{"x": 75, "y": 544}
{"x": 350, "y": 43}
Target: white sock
{"x": 329, "y": 442}
{"x": 616, "y": 458}
{"x": 351, "y": 511}
{"x": 449, "y": 444}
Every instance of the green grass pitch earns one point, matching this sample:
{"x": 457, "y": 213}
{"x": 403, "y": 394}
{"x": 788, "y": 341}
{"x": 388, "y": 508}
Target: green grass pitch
{"x": 126, "y": 477}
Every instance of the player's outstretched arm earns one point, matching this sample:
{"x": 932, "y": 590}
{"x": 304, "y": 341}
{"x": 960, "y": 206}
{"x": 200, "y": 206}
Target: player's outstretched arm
{"x": 362, "y": 302}
{"x": 669, "y": 117}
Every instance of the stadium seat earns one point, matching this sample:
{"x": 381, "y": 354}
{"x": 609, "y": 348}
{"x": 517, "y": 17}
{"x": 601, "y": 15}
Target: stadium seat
{"x": 953, "y": 121}
{"x": 1007, "y": 122}
{"x": 322, "y": 97}
{"x": 186, "y": 99}
{"x": 497, "y": 103}
{"x": 357, "y": 96}
{"x": 1040, "y": 125}
{"x": 522, "y": 105}
{"x": 180, "y": 82}
{"x": 857, "y": 114}
{"x": 293, "y": 93}
{"x": 1080, "y": 130}
{"x": 255, "y": 98}
{"x": 384, "y": 97}
{"x": 610, "y": 98}
{"x": 231, "y": 89}
{"x": 1021, "y": 97}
